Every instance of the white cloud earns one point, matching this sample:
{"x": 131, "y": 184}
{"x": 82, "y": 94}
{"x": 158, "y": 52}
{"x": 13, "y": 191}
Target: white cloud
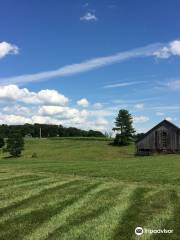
{"x": 7, "y": 48}
{"x": 140, "y": 119}
{"x": 158, "y": 50}
{"x": 89, "y": 17}
{"x": 57, "y": 115}
{"x": 60, "y": 112}
{"x": 169, "y": 119}
{"x": 45, "y": 120}
{"x": 84, "y": 66}
{"x": 173, "y": 48}
{"x": 122, "y": 84}
{"x": 12, "y": 119}
{"x": 139, "y": 106}
{"x": 83, "y": 102}
{"x": 66, "y": 115}
{"x": 162, "y": 53}
{"x": 52, "y": 97}
{"x": 18, "y": 109}
{"x": 14, "y": 93}
{"x": 19, "y": 106}
{"x": 101, "y": 122}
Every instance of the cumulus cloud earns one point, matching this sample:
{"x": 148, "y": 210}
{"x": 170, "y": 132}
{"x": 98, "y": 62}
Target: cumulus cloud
{"x": 14, "y": 93}
{"x": 60, "y": 112}
{"x": 140, "y": 119}
{"x": 45, "y": 120}
{"x": 173, "y": 48}
{"x": 52, "y": 97}
{"x": 7, "y": 48}
{"x": 89, "y": 17}
{"x": 56, "y": 115}
{"x": 12, "y": 119}
{"x": 83, "y": 102}
{"x": 20, "y": 106}
{"x": 18, "y": 109}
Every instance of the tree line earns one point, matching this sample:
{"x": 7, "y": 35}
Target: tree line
{"x": 46, "y": 130}
{"x": 12, "y": 137}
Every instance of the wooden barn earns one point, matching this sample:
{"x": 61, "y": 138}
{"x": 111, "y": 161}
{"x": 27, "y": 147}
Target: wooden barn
{"x": 164, "y": 137}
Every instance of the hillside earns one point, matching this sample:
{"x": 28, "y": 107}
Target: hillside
{"x": 77, "y": 189}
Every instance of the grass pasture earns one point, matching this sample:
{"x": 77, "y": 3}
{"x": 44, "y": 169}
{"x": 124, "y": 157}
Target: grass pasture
{"x": 78, "y": 190}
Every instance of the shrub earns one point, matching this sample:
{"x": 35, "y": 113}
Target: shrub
{"x": 15, "y": 144}
{"x": 34, "y": 155}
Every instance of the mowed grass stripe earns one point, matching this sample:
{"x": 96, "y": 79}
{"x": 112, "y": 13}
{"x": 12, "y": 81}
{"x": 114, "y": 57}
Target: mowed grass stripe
{"x": 30, "y": 221}
{"x": 17, "y": 179}
{"x": 14, "y": 191}
{"x": 142, "y": 211}
{"x": 34, "y": 193}
{"x": 10, "y": 195}
{"x": 25, "y": 182}
{"x": 57, "y": 220}
{"x": 22, "y": 183}
{"x": 102, "y": 226}
{"x": 45, "y": 199}
{"x": 167, "y": 218}
{"x": 102, "y": 201}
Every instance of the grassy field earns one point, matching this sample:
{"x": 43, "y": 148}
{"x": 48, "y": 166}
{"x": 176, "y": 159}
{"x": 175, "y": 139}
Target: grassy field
{"x": 78, "y": 190}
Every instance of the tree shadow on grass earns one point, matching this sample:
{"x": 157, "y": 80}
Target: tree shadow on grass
{"x": 10, "y": 157}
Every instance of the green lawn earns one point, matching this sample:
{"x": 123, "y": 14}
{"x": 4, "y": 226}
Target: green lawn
{"x": 87, "y": 189}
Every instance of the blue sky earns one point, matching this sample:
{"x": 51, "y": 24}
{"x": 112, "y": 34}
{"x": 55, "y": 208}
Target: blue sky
{"x": 77, "y": 63}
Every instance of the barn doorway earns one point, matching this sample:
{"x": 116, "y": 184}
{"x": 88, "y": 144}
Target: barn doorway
{"x": 161, "y": 140}
{"x": 164, "y": 139}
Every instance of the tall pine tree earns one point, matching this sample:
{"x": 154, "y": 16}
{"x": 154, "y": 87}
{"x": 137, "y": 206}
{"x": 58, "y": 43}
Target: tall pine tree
{"x": 123, "y": 123}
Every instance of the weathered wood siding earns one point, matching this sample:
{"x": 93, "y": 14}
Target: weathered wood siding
{"x": 154, "y": 140}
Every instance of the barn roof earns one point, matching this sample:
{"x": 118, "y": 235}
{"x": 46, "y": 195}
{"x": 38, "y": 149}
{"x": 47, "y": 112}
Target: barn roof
{"x": 158, "y": 125}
